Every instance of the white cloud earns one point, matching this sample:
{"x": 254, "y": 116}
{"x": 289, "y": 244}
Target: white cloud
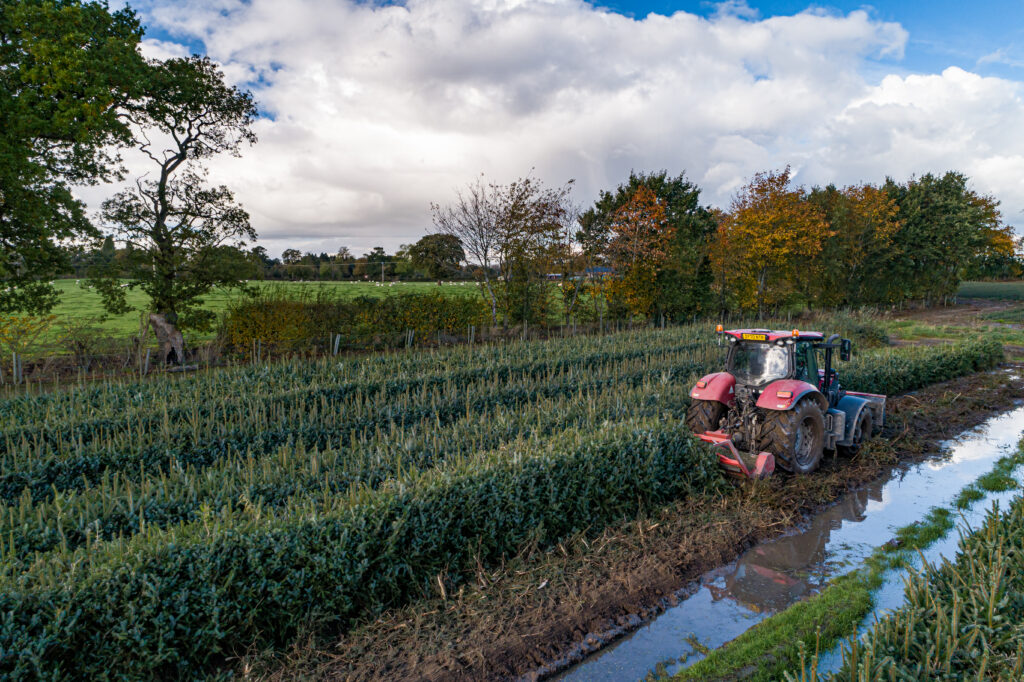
{"x": 377, "y": 111}
{"x": 162, "y": 49}
{"x": 920, "y": 123}
{"x": 1004, "y": 55}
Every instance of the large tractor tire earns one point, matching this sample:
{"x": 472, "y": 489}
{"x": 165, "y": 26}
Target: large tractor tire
{"x": 796, "y": 437}
{"x": 704, "y": 415}
{"x": 862, "y": 432}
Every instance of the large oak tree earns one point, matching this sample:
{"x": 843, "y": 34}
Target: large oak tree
{"x": 175, "y": 226}
{"x": 439, "y": 255}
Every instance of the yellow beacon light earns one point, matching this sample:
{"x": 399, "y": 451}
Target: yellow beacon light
{"x": 719, "y": 329}
{"x": 796, "y": 332}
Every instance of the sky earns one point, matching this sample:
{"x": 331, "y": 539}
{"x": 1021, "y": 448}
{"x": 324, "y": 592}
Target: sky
{"x": 371, "y": 111}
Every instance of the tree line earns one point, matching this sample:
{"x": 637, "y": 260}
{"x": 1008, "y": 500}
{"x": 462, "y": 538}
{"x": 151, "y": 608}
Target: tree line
{"x": 651, "y": 249}
{"x": 432, "y": 258}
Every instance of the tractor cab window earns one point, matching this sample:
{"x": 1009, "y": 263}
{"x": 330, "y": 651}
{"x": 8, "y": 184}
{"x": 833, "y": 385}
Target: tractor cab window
{"x": 806, "y": 362}
{"x": 755, "y": 364}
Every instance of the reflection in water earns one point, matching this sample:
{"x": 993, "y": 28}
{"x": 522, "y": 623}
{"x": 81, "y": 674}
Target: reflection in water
{"x": 773, "y": 575}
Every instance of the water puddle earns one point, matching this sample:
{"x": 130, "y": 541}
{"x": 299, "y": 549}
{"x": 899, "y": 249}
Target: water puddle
{"x": 773, "y": 575}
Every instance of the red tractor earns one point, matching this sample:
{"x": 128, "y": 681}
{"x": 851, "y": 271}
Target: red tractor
{"x": 774, "y": 406}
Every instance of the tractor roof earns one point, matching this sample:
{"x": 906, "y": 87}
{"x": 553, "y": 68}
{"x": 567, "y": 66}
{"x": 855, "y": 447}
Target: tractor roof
{"x": 773, "y": 335}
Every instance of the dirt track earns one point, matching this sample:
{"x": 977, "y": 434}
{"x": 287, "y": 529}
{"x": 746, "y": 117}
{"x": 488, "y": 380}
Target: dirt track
{"x": 543, "y": 607}
{"x": 965, "y": 309}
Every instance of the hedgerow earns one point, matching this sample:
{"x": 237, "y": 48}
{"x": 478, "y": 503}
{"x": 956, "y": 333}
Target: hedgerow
{"x": 283, "y": 322}
{"x": 894, "y": 370}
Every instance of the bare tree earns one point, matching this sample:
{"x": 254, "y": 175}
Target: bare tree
{"x": 471, "y": 219}
{"x": 514, "y": 229}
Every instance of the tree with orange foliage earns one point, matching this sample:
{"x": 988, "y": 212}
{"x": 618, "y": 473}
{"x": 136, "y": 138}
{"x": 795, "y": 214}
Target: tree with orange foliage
{"x": 999, "y": 256}
{"x": 639, "y": 246}
{"x": 770, "y": 235}
{"x": 720, "y": 255}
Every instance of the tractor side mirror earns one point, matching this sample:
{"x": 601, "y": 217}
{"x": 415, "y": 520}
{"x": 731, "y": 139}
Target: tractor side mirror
{"x": 844, "y": 350}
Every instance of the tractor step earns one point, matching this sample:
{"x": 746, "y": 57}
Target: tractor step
{"x": 732, "y": 462}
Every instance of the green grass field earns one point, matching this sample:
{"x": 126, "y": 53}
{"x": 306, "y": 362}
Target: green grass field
{"x": 1013, "y": 291}
{"x": 81, "y": 305}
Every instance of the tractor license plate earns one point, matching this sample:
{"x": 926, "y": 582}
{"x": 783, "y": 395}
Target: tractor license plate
{"x": 754, "y": 337}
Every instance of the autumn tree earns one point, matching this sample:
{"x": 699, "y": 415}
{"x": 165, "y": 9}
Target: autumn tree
{"x": 944, "y": 227}
{"x": 529, "y": 217}
{"x": 510, "y": 230}
{"x": 570, "y": 260}
{"x": 638, "y": 249}
{"x": 1000, "y": 260}
{"x": 67, "y": 70}
{"x": 773, "y": 233}
{"x": 176, "y": 226}
{"x": 720, "y": 256}
{"x": 684, "y": 279}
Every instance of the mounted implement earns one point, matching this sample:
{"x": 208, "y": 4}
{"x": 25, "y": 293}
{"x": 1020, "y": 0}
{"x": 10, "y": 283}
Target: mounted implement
{"x": 774, "y": 407}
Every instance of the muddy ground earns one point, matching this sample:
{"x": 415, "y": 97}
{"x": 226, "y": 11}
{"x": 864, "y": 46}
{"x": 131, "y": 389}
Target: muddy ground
{"x": 542, "y": 610}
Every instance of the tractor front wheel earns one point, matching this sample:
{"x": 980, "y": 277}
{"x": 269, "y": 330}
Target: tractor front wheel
{"x": 796, "y": 437}
{"x": 704, "y": 415}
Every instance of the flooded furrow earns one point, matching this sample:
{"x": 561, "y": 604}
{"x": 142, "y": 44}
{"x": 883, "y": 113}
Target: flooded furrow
{"x": 773, "y": 575}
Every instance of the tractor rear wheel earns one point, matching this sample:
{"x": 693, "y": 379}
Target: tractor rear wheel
{"x": 862, "y": 431}
{"x": 704, "y": 415}
{"x": 796, "y": 437}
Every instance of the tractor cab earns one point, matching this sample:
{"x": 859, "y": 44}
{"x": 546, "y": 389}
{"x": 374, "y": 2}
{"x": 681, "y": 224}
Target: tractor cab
{"x": 779, "y": 399}
{"x": 766, "y": 356}
{"x": 759, "y": 357}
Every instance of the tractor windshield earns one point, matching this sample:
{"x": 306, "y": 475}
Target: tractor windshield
{"x": 755, "y": 364}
